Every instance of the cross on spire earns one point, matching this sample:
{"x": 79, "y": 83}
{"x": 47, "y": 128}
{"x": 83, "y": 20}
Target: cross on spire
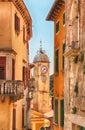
{"x": 40, "y": 45}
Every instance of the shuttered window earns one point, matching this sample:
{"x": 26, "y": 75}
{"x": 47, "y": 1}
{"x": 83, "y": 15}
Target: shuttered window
{"x": 56, "y": 111}
{"x": 57, "y": 26}
{"x": 42, "y": 128}
{"x": 1, "y": 72}
{"x": 62, "y": 113}
{"x": 82, "y": 128}
{"x": 2, "y": 68}
{"x": 63, "y": 50}
{"x": 24, "y": 34}
{"x": 63, "y": 18}
{"x": 14, "y": 119}
{"x": 17, "y": 24}
{"x": 22, "y": 117}
{"x": 13, "y": 69}
{"x": 57, "y": 61}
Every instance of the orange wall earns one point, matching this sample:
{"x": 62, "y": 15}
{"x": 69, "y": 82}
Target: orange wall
{"x": 59, "y": 39}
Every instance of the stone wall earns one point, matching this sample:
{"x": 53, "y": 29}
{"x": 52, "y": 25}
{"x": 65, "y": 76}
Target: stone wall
{"x": 74, "y": 85}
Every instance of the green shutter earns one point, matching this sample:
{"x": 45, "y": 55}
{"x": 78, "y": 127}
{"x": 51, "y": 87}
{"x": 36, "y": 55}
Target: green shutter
{"x": 42, "y": 128}
{"x": 57, "y": 60}
{"x": 62, "y": 113}
{"x": 64, "y": 18}
{"x": 64, "y": 45}
{"x": 57, "y": 26}
{"x": 82, "y": 128}
{"x": 56, "y": 111}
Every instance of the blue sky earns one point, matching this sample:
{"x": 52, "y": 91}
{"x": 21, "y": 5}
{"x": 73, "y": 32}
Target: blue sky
{"x": 41, "y": 29}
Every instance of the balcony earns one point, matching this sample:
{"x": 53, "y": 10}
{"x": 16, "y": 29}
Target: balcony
{"x": 72, "y": 50}
{"x": 12, "y": 89}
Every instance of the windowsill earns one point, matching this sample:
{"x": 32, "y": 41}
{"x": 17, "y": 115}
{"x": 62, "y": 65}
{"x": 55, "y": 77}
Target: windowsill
{"x": 57, "y": 32}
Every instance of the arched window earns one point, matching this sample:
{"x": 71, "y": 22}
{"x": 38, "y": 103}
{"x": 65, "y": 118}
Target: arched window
{"x": 74, "y": 18}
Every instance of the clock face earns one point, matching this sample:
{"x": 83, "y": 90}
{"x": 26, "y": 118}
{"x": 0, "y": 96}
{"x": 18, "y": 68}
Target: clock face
{"x": 43, "y": 69}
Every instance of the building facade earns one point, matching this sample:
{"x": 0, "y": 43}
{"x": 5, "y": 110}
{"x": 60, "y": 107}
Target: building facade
{"x": 15, "y": 32}
{"x": 75, "y": 65}
{"x": 57, "y": 15}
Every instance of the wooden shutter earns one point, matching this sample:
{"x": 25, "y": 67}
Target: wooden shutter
{"x": 24, "y": 76}
{"x": 63, "y": 18}
{"x": 13, "y": 69}
{"x": 14, "y": 119}
{"x": 64, "y": 45}
{"x": 17, "y": 23}
{"x": 22, "y": 117}
{"x": 62, "y": 113}
{"x": 57, "y": 26}
{"x": 57, "y": 60}
{"x": 42, "y": 128}
{"x": 56, "y": 111}
{"x": 2, "y": 67}
{"x": 1, "y": 72}
{"x": 24, "y": 34}
{"x": 82, "y": 128}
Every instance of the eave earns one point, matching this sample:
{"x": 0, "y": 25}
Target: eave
{"x": 55, "y": 9}
{"x": 20, "y": 6}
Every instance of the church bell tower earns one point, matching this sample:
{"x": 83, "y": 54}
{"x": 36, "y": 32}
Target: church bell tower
{"x": 41, "y": 99}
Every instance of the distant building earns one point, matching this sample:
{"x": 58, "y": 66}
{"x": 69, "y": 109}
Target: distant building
{"x": 41, "y": 98}
{"x": 75, "y": 65}
{"x": 57, "y": 15}
{"x": 15, "y": 32}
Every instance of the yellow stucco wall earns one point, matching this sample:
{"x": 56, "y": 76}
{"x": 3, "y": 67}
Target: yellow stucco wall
{"x": 8, "y": 37}
{"x": 59, "y": 39}
{"x": 5, "y": 25}
{"x": 10, "y": 40}
{"x": 5, "y": 114}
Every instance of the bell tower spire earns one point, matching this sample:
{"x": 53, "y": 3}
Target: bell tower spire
{"x": 41, "y": 46}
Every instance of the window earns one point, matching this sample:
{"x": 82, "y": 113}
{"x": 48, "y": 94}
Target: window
{"x": 24, "y": 34}
{"x": 62, "y": 113}
{"x": 14, "y": 119}
{"x": 17, "y": 24}
{"x": 57, "y": 26}
{"x": 22, "y": 117}
{"x": 63, "y": 50}
{"x": 2, "y": 68}
{"x": 1, "y": 72}
{"x": 42, "y": 128}
{"x": 82, "y": 128}
{"x": 57, "y": 61}
{"x": 13, "y": 69}
{"x": 24, "y": 75}
{"x": 56, "y": 111}
{"x": 63, "y": 18}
